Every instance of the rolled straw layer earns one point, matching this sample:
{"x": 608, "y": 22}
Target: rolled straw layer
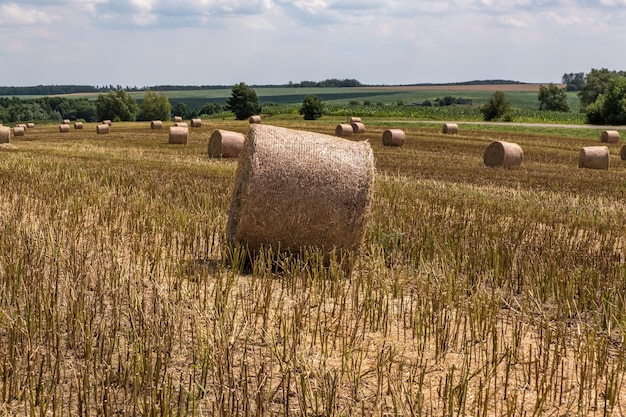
{"x": 64, "y": 128}
{"x": 178, "y": 118}
{"x": 254, "y": 119}
{"x": 393, "y": 137}
{"x": 450, "y": 128}
{"x": 344, "y": 129}
{"x": 296, "y": 190}
{"x": 609, "y": 136}
{"x": 102, "y": 129}
{"x": 357, "y": 127}
{"x": 353, "y": 119}
{"x": 622, "y": 153}
{"x": 156, "y": 124}
{"x": 594, "y": 157}
{"x": 78, "y": 125}
{"x": 179, "y": 135}
{"x": 18, "y": 131}
{"x": 5, "y": 134}
{"x": 503, "y": 154}
{"x": 196, "y": 122}
{"x": 226, "y": 144}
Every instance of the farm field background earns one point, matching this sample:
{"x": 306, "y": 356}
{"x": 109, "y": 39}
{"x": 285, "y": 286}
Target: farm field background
{"x": 478, "y": 291}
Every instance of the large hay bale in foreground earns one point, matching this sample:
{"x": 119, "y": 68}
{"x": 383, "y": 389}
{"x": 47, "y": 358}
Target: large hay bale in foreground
{"x": 296, "y": 190}
{"x": 18, "y": 131}
{"x": 594, "y": 157}
{"x": 450, "y": 128}
{"x": 503, "y": 154}
{"x": 357, "y": 127}
{"x": 64, "y": 128}
{"x": 78, "y": 125}
{"x": 344, "y": 130}
{"x": 5, "y": 134}
{"x": 393, "y": 137}
{"x": 254, "y": 119}
{"x": 103, "y": 129}
{"x": 156, "y": 124}
{"x": 178, "y": 135}
{"x": 609, "y": 136}
{"x": 196, "y": 122}
{"x": 226, "y": 144}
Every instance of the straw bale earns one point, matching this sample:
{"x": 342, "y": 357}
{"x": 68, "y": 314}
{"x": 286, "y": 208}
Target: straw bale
{"x": 353, "y": 119}
{"x": 178, "y": 119}
{"x": 610, "y": 136}
{"x": 344, "y": 129}
{"x": 450, "y": 128}
{"x": 78, "y": 125}
{"x": 24, "y": 126}
{"x": 357, "y": 127}
{"x": 594, "y": 157}
{"x": 5, "y": 134}
{"x": 254, "y": 119}
{"x": 156, "y": 124}
{"x": 102, "y": 129}
{"x": 226, "y": 144}
{"x": 622, "y": 153}
{"x": 393, "y": 137}
{"x": 31, "y": 125}
{"x": 107, "y": 122}
{"x": 297, "y": 190}
{"x": 181, "y": 124}
{"x": 196, "y": 122}
{"x": 503, "y": 154}
{"x": 64, "y": 128}
{"x": 18, "y": 131}
{"x": 179, "y": 135}
{"x": 66, "y": 121}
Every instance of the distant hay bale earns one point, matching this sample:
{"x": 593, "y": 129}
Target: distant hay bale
{"x": 450, "y": 128}
{"x": 78, "y": 125}
{"x": 503, "y": 154}
{"x": 103, "y": 129}
{"x": 594, "y": 157}
{"x": 107, "y": 122}
{"x": 66, "y": 121}
{"x": 225, "y": 144}
{"x": 622, "y": 153}
{"x": 196, "y": 122}
{"x": 393, "y": 137}
{"x": 357, "y": 127}
{"x": 156, "y": 124}
{"x": 31, "y": 125}
{"x": 610, "y": 136}
{"x": 181, "y": 124}
{"x": 344, "y": 129}
{"x": 24, "y": 126}
{"x": 178, "y": 135}
{"x": 18, "y": 131}
{"x": 5, "y": 134}
{"x": 353, "y": 119}
{"x": 297, "y": 190}
{"x": 64, "y": 128}
{"x": 178, "y": 119}
{"x": 254, "y": 119}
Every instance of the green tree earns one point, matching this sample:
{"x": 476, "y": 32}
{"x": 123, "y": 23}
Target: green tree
{"x": 552, "y": 98}
{"x": 610, "y": 106}
{"x": 312, "y": 107}
{"x": 116, "y": 105}
{"x": 596, "y": 83}
{"x": 155, "y": 106}
{"x": 181, "y": 109}
{"x": 497, "y": 107}
{"x": 211, "y": 108}
{"x": 243, "y": 101}
{"x": 573, "y": 81}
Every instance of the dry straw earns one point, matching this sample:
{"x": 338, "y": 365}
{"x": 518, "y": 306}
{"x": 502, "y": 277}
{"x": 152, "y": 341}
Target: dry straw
{"x": 78, "y": 125}
{"x": 226, "y": 144}
{"x": 18, "y": 131}
{"x": 196, "y": 122}
{"x": 393, "y": 137}
{"x": 610, "y": 136}
{"x": 450, "y": 128}
{"x": 64, "y": 128}
{"x": 179, "y": 135}
{"x": 594, "y": 157}
{"x": 296, "y": 190}
{"x": 66, "y": 121}
{"x": 353, "y": 119}
{"x": 358, "y": 127}
{"x": 503, "y": 154}
{"x": 254, "y": 119}
{"x": 102, "y": 129}
{"x": 5, "y": 134}
{"x": 344, "y": 129}
{"x": 156, "y": 124}
{"x": 178, "y": 119}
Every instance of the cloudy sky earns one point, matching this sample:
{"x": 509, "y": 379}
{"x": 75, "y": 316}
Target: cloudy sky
{"x": 223, "y": 42}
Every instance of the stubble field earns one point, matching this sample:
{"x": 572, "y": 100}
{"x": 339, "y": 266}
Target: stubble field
{"x": 478, "y": 291}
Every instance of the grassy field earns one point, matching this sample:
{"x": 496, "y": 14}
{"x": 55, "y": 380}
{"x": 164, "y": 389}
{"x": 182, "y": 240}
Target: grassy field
{"x": 478, "y": 291}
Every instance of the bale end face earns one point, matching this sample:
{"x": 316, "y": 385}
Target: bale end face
{"x": 393, "y": 137}
{"x": 609, "y": 136}
{"x": 594, "y": 157}
{"x": 503, "y": 154}
{"x": 357, "y": 127}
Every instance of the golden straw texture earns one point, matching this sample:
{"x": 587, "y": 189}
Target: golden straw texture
{"x": 393, "y": 137}
{"x": 344, "y": 129}
{"x": 64, "y": 128}
{"x": 196, "y": 122}
{"x": 358, "y": 127}
{"x": 610, "y": 136}
{"x": 254, "y": 119}
{"x": 18, "y": 131}
{"x": 102, "y": 129}
{"x": 78, "y": 125}
{"x": 156, "y": 124}
{"x": 503, "y": 154}
{"x": 178, "y": 135}
{"x": 450, "y": 128}
{"x": 225, "y": 144}
{"x": 5, "y": 134}
{"x": 594, "y": 157}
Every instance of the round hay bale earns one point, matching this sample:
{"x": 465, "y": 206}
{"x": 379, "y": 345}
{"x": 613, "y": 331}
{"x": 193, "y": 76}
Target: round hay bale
{"x": 178, "y": 135}
{"x": 107, "y": 122}
{"x": 609, "y": 136}
{"x": 226, "y": 144}
{"x": 24, "y": 126}
{"x": 18, "y": 131}
{"x": 178, "y": 119}
{"x": 450, "y": 128}
{"x": 357, "y": 127}
{"x": 156, "y": 124}
{"x": 31, "y": 125}
{"x": 353, "y": 119}
{"x": 181, "y": 124}
{"x": 296, "y": 190}
{"x": 78, "y": 125}
{"x": 254, "y": 119}
{"x": 103, "y": 129}
{"x": 503, "y": 154}
{"x": 66, "y": 121}
{"x": 5, "y": 134}
{"x": 393, "y": 137}
{"x": 344, "y": 129}
{"x": 196, "y": 122}
{"x": 594, "y": 157}
{"x": 64, "y": 128}
{"x": 622, "y": 153}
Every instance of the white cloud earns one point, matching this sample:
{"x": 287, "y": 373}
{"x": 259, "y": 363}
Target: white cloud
{"x": 12, "y": 14}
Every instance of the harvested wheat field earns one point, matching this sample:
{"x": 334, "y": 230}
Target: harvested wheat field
{"x": 476, "y": 292}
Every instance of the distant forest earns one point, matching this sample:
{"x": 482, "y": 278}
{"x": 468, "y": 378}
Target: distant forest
{"x": 50, "y": 90}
